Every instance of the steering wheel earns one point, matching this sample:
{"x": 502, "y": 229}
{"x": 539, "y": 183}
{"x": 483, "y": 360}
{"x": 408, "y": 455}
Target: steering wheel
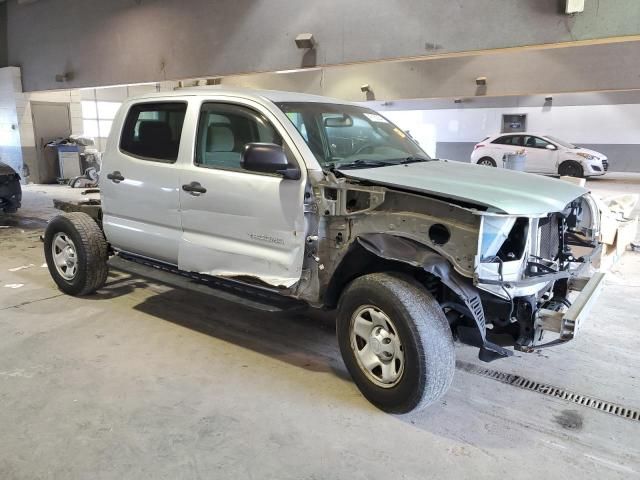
{"x": 363, "y": 147}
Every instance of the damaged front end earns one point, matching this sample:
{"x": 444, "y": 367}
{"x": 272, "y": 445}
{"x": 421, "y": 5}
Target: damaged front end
{"x": 502, "y": 280}
{"x": 528, "y": 268}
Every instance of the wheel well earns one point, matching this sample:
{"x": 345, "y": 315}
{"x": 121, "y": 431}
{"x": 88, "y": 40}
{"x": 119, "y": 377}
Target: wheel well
{"x": 359, "y": 261}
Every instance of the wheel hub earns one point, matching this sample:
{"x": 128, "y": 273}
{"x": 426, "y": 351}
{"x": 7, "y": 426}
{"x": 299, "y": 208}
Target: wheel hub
{"x": 377, "y": 347}
{"x": 64, "y": 256}
{"x": 380, "y": 341}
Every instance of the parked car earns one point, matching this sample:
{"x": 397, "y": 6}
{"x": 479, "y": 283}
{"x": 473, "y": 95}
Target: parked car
{"x": 10, "y": 189}
{"x": 277, "y": 200}
{"x": 545, "y": 154}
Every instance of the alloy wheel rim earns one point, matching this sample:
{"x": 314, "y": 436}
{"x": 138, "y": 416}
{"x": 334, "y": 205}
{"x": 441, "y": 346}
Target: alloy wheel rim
{"x": 65, "y": 257}
{"x": 377, "y": 346}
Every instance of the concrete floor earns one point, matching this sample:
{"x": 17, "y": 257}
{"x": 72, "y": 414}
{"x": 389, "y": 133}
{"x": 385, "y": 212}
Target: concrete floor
{"x": 144, "y": 382}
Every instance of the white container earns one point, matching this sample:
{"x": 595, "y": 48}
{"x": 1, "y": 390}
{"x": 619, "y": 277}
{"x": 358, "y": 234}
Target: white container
{"x": 515, "y": 161}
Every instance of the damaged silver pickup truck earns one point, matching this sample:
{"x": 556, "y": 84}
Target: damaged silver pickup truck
{"x": 277, "y": 200}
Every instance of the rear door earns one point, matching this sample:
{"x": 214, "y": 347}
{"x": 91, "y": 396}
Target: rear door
{"x": 139, "y": 180}
{"x": 240, "y": 223}
{"x": 539, "y": 158}
{"x": 504, "y": 145}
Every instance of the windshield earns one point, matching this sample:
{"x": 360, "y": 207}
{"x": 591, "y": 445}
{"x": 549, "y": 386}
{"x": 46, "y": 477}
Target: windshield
{"x": 561, "y": 142}
{"x": 345, "y": 136}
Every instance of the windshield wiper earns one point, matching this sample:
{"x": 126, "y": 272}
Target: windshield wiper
{"x": 362, "y": 164}
{"x": 414, "y": 160}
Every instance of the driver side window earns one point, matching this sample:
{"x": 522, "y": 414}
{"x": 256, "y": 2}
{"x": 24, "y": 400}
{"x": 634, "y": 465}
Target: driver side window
{"x": 536, "y": 142}
{"x": 225, "y": 129}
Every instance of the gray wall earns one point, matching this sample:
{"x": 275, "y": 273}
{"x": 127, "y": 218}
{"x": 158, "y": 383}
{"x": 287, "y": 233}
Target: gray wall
{"x": 622, "y": 158}
{"x": 574, "y": 68}
{"x": 528, "y": 71}
{"x": 125, "y": 41}
{"x": 458, "y": 151}
{"x": 3, "y": 35}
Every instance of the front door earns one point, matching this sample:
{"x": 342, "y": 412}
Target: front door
{"x": 540, "y": 159}
{"x": 238, "y": 223}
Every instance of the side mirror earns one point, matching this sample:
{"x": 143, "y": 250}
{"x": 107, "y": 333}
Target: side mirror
{"x": 267, "y": 158}
{"x": 551, "y": 147}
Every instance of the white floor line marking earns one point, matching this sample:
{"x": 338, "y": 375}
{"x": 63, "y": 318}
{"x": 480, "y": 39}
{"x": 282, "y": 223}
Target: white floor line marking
{"x": 611, "y": 464}
{"x": 23, "y": 267}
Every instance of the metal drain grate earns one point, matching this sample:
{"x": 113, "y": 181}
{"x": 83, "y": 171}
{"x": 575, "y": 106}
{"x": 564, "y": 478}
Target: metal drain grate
{"x": 551, "y": 391}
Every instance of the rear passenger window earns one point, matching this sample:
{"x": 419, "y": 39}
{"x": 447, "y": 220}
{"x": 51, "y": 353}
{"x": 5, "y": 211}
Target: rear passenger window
{"x": 508, "y": 140}
{"x": 152, "y": 131}
{"x": 225, "y": 129}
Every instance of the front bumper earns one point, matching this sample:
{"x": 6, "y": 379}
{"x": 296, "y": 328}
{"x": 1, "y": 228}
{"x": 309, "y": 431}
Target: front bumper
{"x": 595, "y": 169}
{"x": 567, "y": 324}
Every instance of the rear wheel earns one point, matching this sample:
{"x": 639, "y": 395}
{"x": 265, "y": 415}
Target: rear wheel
{"x": 571, "y": 168}
{"x": 487, "y": 162}
{"x": 395, "y": 341}
{"x": 76, "y": 253}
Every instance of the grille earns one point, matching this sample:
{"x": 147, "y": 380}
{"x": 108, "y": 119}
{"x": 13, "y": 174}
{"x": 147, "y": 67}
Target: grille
{"x": 549, "y": 237}
{"x": 627, "y": 413}
{"x": 605, "y": 164}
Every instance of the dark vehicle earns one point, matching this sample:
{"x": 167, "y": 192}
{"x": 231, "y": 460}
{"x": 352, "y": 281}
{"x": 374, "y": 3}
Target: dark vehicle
{"x": 10, "y": 190}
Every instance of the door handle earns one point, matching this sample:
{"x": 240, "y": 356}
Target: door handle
{"x": 194, "y": 188}
{"x": 115, "y": 177}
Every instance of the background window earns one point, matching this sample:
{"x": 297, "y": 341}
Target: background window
{"x": 514, "y": 123}
{"x": 98, "y": 117}
{"x": 223, "y": 132}
{"x": 152, "y": 131}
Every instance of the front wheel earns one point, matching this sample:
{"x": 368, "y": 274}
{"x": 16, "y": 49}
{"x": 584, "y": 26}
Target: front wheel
{"x": 487, "y": 162}
{"x": 76, "y": 253}
{"x": 571, "y": 168}
{"x": 395, "y": 341}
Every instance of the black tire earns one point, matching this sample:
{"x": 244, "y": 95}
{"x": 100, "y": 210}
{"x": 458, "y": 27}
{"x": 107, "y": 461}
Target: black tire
{"x": 571, "y": 168}
{"x": 429, "y": 356}
{"x": 90, "y": 249}
{"x": 487, "y": 162}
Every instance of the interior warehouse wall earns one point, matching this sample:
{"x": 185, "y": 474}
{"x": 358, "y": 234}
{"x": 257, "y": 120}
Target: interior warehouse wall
{"x": 131, "y": 41}
{"x": 452, "y": 133}
{"x": 3, "y": 35}
{"x": 10, "y": 141}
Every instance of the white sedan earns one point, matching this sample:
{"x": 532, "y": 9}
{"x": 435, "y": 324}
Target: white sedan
{"x": 545, "y": 154}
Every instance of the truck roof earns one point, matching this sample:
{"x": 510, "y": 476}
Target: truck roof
{"x": 271, "y": 95}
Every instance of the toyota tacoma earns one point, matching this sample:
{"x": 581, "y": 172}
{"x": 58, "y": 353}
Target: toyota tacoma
{"x": 277, "y": 200}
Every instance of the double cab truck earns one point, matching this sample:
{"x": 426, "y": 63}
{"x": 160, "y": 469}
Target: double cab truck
{"x": 277, "y": 200}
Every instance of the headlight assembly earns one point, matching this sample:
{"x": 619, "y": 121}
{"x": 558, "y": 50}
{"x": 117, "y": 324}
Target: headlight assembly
{"x": 586, "y": 155}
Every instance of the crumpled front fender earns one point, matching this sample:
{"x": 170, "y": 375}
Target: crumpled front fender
{"x": 404, "y": 250}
